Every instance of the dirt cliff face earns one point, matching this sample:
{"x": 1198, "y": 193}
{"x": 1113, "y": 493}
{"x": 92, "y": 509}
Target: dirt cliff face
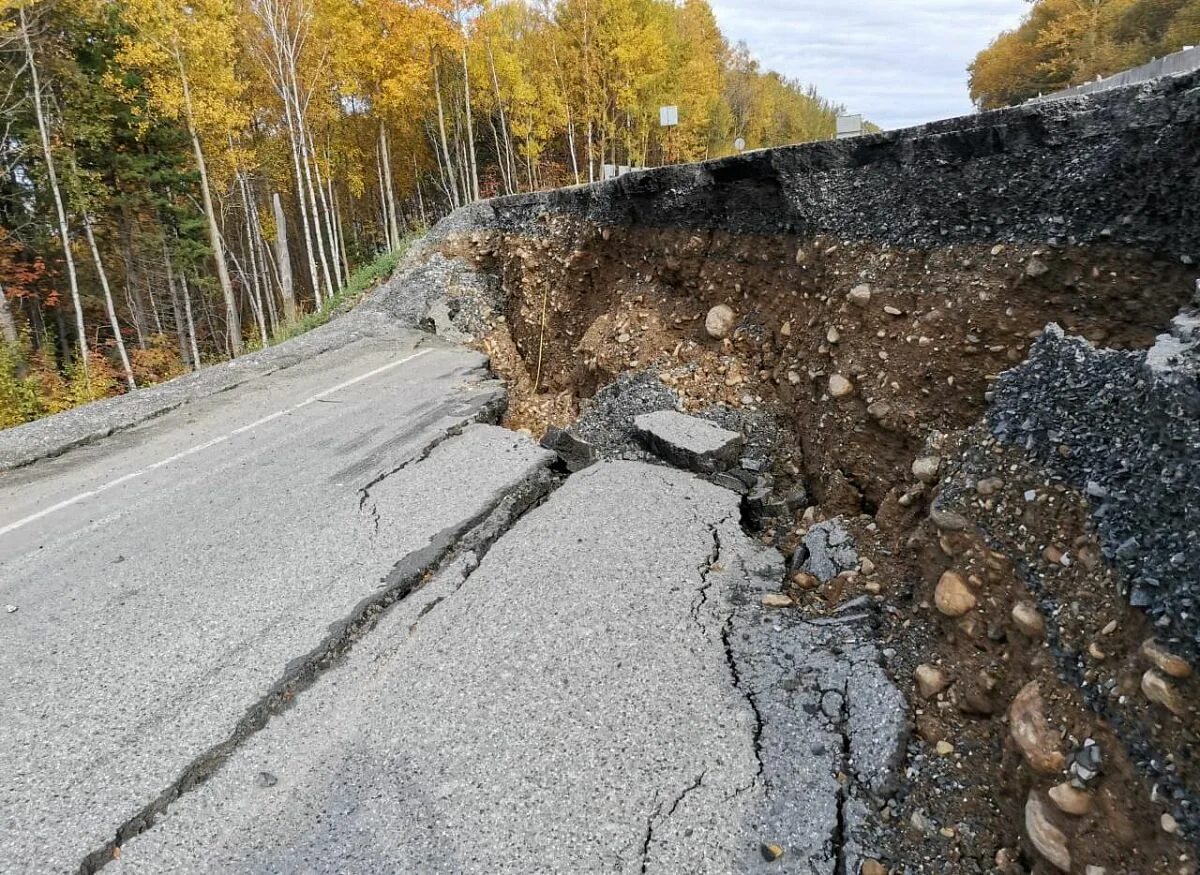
{"x": 885, "y": 294}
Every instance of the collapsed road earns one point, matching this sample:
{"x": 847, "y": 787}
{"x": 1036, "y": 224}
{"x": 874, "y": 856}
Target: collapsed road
{"x": 829, "y": 555}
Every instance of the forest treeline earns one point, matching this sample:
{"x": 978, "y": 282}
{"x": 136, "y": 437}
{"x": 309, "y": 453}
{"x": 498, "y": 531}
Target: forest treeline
{"x": 1068, "y": 42}
{"x": 186, "y": 179}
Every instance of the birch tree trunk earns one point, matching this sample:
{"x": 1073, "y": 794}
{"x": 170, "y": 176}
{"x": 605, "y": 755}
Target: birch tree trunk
{"x": 233, "y": 317}
{"x": 108, "y": 302}
{"x": 8, "y": 325}
{"x": 437, "y": 87}
{"x": 177, "y": 310}
{"x": 391, "y": 191}
{"x": 191, "y": 323}
{"x": 284, "y": 259}
{"x": 64, "y": 232}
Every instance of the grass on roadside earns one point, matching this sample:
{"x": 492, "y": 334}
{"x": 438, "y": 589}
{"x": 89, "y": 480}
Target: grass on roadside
{"x": 361, "y": 281}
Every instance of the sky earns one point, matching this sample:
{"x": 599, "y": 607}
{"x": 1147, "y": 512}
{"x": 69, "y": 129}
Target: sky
{"x": 898, "y": 62}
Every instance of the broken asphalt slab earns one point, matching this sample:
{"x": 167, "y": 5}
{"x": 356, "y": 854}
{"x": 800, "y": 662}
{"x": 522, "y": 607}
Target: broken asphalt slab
{"x": 603, "y": 692}
{"x": 689, "y": 442}
{"x": 163, "y": 621}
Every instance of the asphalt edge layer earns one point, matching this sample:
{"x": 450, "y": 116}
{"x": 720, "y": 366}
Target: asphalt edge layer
{"x": 476, "y": 535}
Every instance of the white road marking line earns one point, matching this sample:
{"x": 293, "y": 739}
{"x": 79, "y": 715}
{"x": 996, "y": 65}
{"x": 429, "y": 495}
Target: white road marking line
{"x": 125, "y": 478}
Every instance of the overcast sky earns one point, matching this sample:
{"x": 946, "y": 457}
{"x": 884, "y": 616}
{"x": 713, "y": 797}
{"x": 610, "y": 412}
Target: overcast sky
{"x": 899, "y": 62}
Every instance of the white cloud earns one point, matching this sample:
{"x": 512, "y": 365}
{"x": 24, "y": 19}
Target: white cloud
{"x": 899, "y": 62}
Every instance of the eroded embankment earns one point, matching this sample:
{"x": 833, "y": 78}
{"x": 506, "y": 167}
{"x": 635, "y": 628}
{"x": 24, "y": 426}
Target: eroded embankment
{"x": 876, "y": 291}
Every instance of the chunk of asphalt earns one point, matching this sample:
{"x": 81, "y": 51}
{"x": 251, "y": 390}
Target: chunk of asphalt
{"x": 689, "y": 442}
{"x": 566, "y": 707}
{"x": 830, "y": 550}
{"x": 574, "y": 452}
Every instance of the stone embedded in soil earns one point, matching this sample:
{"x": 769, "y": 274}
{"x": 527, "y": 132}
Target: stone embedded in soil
{"x": 840, "y": 387}
{"x": 1158, "y": 689}
{"x": 952, "y": 595}
{"x": 873, "y": 867}
{"x": 1166, "y": 661}
{"x": 948, "y": 520}
{"x": 1031, "y": 731}
{"x": 989, "y": 486}
{"x": 1048, "y": 839}
{"x": 925, "y": 468}
{"x": 1071, "y": 799}
{"x": 1036, "y": 268}
{"x": 689, "y": 442}
{"x": 930, "y": 681}
{"x": 805, "y": 581}
{"x": 860, "y": 296}
{"x": 1028, "y": 619}
{"x": 719, "y": 322}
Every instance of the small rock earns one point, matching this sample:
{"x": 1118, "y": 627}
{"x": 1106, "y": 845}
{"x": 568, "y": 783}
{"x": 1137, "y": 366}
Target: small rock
{"x": 952, "y": 595}
{"x": 1031, "y": 731}
{"x": 989, "y": 486}
{"x": 265, "y": 779}
{"x": 893, "y": 311}
{"x": 944, "y": 748}
{"x": 1165, "y": 661}
{"x": 770, "y": 853}
{"x": 1169, "y": 824}
{"x": 1028, "y": 619}
{"x": 872, "y": 867}
{"x": 776, "y": 600}
{"x": 10, "y": 609}
{"x": 805, "y": 581}
{"x": 719, "y": 322}
{"x": 1036, "y": 268}
{"x": 930, "y": 681}
{"x": 1096, "y": 653}
{"x": 948, "y": 520}
{"x": 840, "y": 387}
{"x": 860, "y": 296}
{"x": 878, "y": 410}
{"x": 1071, "y": 799}
{"x": 1095, "y": 870}
{"x": 1047, "y": 838}
{"x": 1158, "y": 689}
{"x": 832, "y": 335}
{"x": 1087, "y": 762}
{"x": 794, "y": 378}
{"x": 925, "y": 468}
{"x": 867, "y": 567}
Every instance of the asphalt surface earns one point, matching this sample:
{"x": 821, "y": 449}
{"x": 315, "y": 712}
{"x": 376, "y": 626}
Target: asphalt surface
{"x": 177, "y": 582}
{"x": 324, "y": 620}
{"x": 562, "y": 709}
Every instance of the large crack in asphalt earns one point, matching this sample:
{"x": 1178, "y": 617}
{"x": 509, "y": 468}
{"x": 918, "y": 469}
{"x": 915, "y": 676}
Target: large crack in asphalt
{"x": 490, "y": 413}
{"x": 476, "y": 534}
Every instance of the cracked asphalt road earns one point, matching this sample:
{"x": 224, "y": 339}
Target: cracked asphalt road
{"x": 313, "y": 624}
{"x": 162, "y": 612}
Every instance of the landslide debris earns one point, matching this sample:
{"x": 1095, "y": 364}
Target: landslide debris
{"x": 870, "y": 386}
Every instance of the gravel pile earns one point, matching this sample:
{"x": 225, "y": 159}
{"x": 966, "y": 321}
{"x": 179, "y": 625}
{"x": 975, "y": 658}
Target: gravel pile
{"x": 1123, "y": 427}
